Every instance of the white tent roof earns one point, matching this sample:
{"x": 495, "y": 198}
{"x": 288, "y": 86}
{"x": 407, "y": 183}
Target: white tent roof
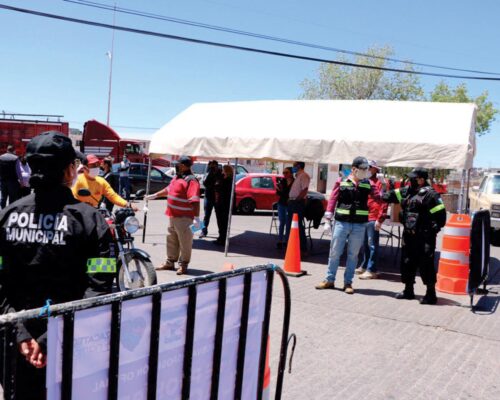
{"x": 406, "y": 133}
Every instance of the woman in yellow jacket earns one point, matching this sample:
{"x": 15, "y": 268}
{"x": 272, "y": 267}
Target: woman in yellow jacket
{"x": 98, "y": 187}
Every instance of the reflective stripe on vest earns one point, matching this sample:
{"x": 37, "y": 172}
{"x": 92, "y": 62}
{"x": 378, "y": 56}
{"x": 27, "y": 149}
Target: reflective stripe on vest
{"x": 439, "y": 207}
{"x": 365, "y": 185}
{"x": 346, "y": 184}
{"x": 361, "y": 212}
{"x": 343, "y": 211}
{"x": 106, "y": 265}
{"x": 1, "y": 263}
{"x": 398, "y": 195}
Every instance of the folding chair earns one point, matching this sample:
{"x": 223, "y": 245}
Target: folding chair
{"x": 274, "y": 219}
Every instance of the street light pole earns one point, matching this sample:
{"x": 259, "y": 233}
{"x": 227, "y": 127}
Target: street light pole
{"x": 111, "y": 55}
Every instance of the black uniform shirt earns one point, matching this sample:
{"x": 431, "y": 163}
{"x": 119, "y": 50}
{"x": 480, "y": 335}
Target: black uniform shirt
{"x": 49, "y": 241}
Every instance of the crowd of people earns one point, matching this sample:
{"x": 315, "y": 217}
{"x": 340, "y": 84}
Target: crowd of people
{"x": 357, "y": 207}
{"x": 55, "y": 244}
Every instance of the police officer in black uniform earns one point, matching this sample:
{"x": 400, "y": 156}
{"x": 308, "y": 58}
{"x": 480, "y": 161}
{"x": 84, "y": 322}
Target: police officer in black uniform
{"x": 424, "y": 215}
{"x": 51, "y": 247}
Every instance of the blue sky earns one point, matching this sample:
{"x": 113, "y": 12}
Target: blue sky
{"x": 56, "y": 67}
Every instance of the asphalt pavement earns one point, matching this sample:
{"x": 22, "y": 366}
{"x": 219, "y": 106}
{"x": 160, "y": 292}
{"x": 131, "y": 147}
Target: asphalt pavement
{"x": 366, "y": 345}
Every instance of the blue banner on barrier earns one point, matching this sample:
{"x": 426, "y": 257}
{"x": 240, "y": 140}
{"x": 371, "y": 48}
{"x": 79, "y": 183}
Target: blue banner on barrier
{"x": 91, "y": 344}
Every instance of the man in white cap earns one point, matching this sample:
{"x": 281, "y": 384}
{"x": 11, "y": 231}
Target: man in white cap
{"x": 377, "y": 210}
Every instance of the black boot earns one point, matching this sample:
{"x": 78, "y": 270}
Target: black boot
{"x": 407, "y": 294}
{"x": 430, "y": 296}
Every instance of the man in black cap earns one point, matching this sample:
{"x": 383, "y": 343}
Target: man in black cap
{"x": 183, "y": 210}
{"x": 9, "y": 184}
{"x": 213, "y": 175}
{"x": 349, "y": 204}
{"x": 424, "y": 215}
{"x": 51, "y": 247}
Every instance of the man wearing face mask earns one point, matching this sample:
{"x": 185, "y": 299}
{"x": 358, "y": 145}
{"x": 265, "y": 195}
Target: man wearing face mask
{"x": 89, "y": 179}
{"x": 297, "y": 202}
{"x": 51, "y": 247}
{"x": 424, "y": 215}
{"x": 183, "y": 210}
{"x": 348, "y": 204}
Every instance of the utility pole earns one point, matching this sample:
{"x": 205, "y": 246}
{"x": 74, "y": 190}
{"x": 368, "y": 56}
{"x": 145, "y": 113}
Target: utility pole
{"x": 111, "y": 55}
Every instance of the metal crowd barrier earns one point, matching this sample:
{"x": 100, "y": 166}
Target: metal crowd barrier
{"x": 63, "y": 336}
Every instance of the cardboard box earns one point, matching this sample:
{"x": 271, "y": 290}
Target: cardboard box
{"x": 394, "y": 212}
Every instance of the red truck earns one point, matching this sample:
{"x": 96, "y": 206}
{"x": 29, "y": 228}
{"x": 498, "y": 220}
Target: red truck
{"x": 17, "y": 130}
{"x": 103, "y": 141}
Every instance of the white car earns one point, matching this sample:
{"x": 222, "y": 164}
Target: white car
{"x": 486, "y": 196}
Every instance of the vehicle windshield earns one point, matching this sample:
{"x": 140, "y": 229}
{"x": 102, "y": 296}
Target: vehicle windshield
{"x": 493, "y": 185}
{"x": 199, "y": 168}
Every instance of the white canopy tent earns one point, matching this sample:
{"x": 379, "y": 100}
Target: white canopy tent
{"x": 405, "y": 134}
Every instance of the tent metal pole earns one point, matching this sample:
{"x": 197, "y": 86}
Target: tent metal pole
{"x": 461, "y": 195}
{"x": 231, "y": 201}
{"x": 145, "y": 221}
{"x": 466, "y": 206}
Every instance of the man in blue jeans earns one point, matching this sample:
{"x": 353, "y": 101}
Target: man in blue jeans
{"x": 349, "y": 204}
{"x": 377, "y": 210}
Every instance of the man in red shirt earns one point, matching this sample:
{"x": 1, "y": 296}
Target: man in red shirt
{"x": 183, "y": 210}
{"x": 377, "y": 210}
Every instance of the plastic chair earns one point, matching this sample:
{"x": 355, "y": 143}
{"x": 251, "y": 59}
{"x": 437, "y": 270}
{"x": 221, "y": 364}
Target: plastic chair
{"x": 274, "y": 219}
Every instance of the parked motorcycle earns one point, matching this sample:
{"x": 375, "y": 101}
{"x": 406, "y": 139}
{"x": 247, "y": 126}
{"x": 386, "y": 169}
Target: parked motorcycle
{"x": 134, "y": 266}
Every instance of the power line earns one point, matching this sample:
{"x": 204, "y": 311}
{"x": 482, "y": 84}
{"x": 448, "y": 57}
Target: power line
{"x": 262, "y": 36}
{"x": 241, "y": 48}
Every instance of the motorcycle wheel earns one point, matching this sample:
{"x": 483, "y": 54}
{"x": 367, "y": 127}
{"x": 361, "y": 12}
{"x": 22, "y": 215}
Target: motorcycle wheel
{"x": 141, "y": 271}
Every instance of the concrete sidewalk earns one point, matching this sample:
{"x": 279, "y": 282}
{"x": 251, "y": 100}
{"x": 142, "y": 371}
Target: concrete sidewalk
{"x": 366, "y": 345}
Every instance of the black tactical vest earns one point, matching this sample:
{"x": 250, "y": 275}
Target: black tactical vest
{"x": 352, "y": 203}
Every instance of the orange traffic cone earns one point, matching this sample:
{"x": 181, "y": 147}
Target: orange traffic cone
{"x": 266, "y": 387}
{"x": 228, "y": 266}
{"x": 292, "y": 257}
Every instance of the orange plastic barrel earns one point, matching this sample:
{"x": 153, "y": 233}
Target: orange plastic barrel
{"x": 453, "y": 270}
{"x": 266, "y": 389}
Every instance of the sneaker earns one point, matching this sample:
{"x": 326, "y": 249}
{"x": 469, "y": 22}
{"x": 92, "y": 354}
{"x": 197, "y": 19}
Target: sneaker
{"x": 325, "y": 285}
{"x": 368, "y": 275}
{"x": 166, "y": 266}
{"x": 203, "y": 235}
{"x": 360, "y": 271}
{"x": 182, "y": 270}
{"x": 348, "y": 288}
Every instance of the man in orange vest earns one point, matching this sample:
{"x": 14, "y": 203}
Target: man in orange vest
{"x": 183, "y": 210}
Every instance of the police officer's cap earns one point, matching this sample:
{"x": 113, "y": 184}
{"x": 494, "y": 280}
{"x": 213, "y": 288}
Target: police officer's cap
{"x": 185, "y": 160}
{"x": 360, "y": 162}
{"x": 418, "y": 172}
{"x": 52, "y": 147}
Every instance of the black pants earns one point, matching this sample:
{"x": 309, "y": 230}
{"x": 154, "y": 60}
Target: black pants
{"x": 418, "y": 254}
{"x": 208, "y": 208}
{"x": 10, "y": 191}
{"x": 222, "y": 215}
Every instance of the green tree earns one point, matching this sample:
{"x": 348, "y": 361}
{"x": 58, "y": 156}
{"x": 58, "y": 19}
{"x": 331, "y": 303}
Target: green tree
{"x": 485, "y": 111}
{"x": 353, "y": 83}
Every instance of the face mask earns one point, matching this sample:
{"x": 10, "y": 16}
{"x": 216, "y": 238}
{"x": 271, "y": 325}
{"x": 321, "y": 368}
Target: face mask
{"x": 361, "y": 174}
{"x": 414, "y": 183}
{"x": 93, "y": 172}
{"x": 294, "y": 170}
